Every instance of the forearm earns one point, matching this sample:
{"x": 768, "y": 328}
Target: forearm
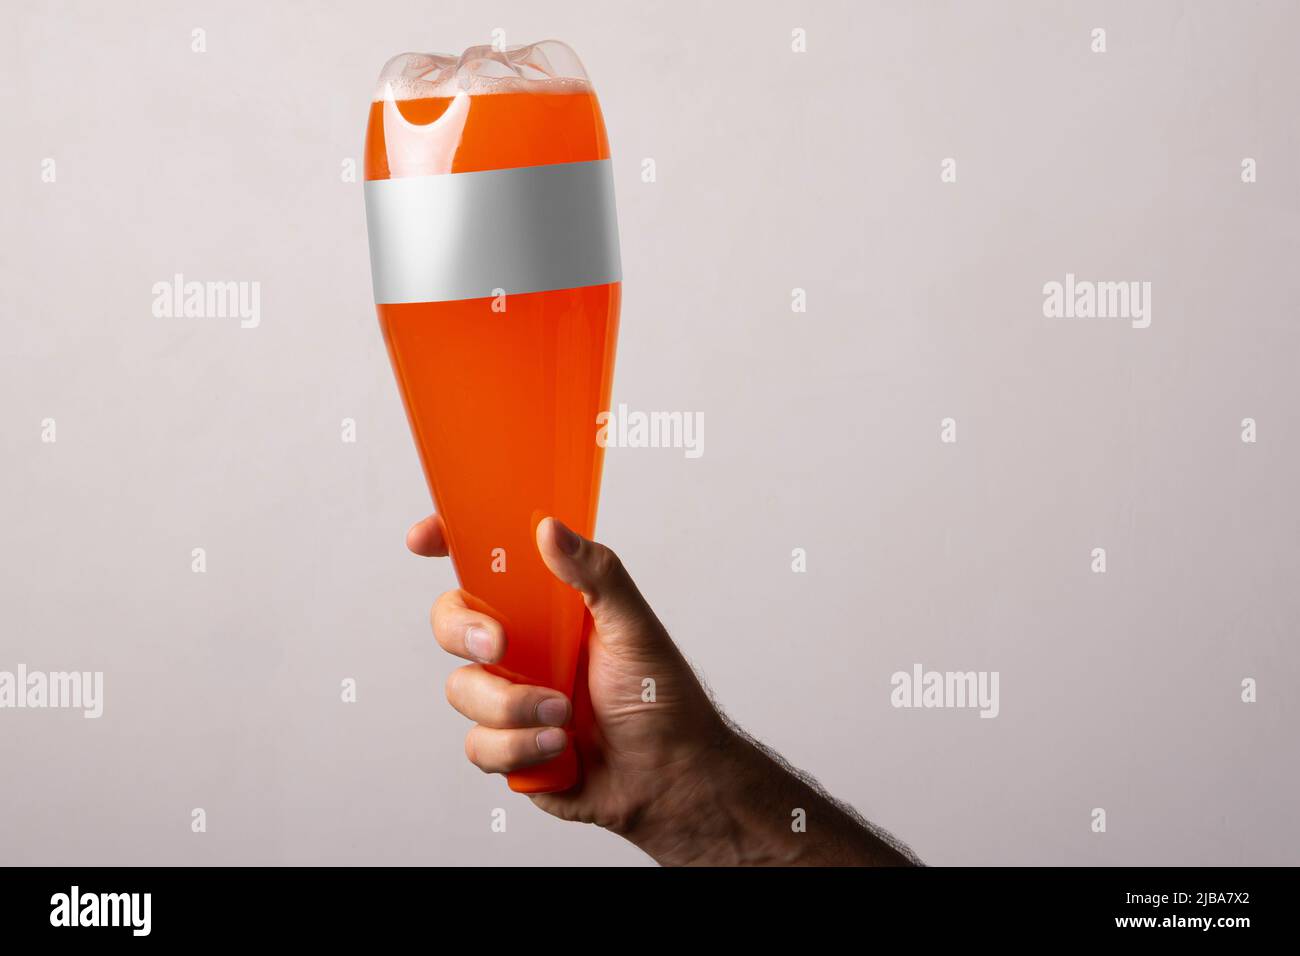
{"x": 741, "y": 806}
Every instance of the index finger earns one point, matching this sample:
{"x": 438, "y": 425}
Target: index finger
{"x": 428, "y": 538}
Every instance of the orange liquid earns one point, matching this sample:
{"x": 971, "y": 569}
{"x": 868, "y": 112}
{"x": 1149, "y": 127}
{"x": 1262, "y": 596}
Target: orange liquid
{"x": 503, "y": 405}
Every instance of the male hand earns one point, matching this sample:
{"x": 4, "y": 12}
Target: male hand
{"x": 670, "y": 775}
{"x": 636, "y": 752}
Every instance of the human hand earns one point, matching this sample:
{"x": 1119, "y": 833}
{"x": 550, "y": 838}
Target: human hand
{"x": 669, "y": 774}
{"x": 634, "y": 753}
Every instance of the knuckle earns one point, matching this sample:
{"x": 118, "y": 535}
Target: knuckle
{"x": 520, "y": 706}
{"x": 605, "y": 563}
{"x": 500, "y": 705}
{"x": 452, "y": 687}
{"x": 439, "y": 616}
{"x": 446, "y": 602}
{"x": 479, "y": 751}
{"x": 523, "y": 747}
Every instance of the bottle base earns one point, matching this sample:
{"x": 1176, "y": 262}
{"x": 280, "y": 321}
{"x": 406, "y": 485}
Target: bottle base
{"x": 560, "y": 773}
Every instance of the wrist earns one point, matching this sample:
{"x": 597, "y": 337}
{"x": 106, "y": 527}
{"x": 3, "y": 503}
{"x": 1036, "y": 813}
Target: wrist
{"x": 731, "y": 804}
{"x": 699, "y": 814}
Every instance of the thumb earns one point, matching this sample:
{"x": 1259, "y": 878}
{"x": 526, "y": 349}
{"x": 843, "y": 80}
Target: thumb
{"x": 617, "y": 608}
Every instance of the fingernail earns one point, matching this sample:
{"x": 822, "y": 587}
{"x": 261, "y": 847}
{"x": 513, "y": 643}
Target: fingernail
{"x": 551, "y": 741}
{"x": 553, "y": 711}
{"x": 566, "y": 539}
{"x": 479, "y": 643}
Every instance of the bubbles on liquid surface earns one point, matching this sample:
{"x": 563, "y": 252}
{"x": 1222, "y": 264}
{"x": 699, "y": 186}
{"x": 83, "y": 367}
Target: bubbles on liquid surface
{"x": 548, "y": 66}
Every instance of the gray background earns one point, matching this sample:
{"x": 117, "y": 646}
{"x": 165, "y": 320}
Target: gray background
{"x": 775, "y": 170}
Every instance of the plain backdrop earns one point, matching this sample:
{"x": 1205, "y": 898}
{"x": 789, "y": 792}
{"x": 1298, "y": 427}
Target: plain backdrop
{"x": 776, "y": 170}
